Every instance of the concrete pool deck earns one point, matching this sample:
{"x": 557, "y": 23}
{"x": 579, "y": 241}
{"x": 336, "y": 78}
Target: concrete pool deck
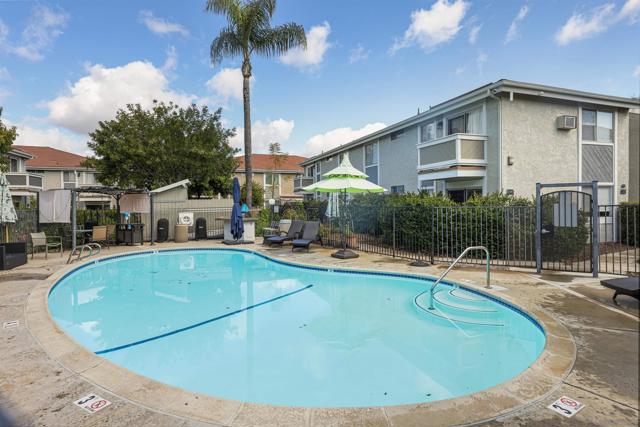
{"x": 43, "y": 371}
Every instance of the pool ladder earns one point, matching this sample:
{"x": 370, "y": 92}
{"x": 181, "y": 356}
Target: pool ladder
{"x": 79, "y": 251}
{"x": 470, "y": 248}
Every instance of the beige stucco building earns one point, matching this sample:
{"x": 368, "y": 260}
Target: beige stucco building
{"x": 501, "y": 137}
{"x": 277, "y": 178}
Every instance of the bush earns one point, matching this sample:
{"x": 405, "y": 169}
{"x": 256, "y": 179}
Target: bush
{"x": 257, "y": 194}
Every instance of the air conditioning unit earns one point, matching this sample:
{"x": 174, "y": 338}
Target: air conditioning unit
{"x": 566, "y": 122}
{"x": 185, "y": 218}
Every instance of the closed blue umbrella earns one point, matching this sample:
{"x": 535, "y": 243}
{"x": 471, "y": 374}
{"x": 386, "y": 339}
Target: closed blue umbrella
{"x": 237, "y": 225}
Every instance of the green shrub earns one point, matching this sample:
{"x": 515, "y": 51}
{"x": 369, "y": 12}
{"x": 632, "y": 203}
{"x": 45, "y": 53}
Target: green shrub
{"x": 629, "y": 214}
{"x": 257, "y": 195}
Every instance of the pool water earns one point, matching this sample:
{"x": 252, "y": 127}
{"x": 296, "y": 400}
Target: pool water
{"x": 237, "y": 325}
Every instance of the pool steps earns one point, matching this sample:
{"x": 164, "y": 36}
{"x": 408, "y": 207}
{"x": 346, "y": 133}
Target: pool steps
{"x": 459, "y": 306}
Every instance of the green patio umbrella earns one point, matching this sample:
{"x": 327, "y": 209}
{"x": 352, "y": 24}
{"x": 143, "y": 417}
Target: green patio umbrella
{"x": 344, "y": 179}
{"x": 7, "y": 211}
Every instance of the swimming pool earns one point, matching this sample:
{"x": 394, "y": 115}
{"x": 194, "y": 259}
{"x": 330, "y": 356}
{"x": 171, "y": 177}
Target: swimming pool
{"x": 238, "y": 325}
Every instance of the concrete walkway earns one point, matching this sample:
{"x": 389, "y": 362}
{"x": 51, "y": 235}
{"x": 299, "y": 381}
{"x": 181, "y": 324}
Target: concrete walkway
{"x": 37, "y": 390}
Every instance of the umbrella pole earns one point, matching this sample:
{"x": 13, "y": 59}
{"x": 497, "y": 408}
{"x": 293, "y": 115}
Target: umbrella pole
{"x": 343, "y": 253}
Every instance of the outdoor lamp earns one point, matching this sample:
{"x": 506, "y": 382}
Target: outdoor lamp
{"x": 272, "y": 202}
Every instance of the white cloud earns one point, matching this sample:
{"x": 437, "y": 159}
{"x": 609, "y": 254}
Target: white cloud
{"x": 460, "y": 70}
{"x": 160, "y": 26}
{"x": 636, "y": 72}
{"x": 98, "y": 95}
{"x": 359, "y": 53}
{"x": 317, "y": 46}
{"x": 480, "y": 61}
{"x": 227, "y": 84}
{"x": 512, "y": 33}
{"x": 579, "y": 26}
{"x": 474, "y": 32}
{"x": 434, "y": 26}
{"x": 171, "y": 62}
{"x": 263, "y": 134}
{"x": 44, "y": 26}
{"x": 630, "y": 10}
{"x": 51, "y": 137}
{"x": 336, "y": 137}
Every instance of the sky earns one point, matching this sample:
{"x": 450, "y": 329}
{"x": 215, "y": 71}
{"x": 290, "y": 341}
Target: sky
{"x": 66, "y": 65}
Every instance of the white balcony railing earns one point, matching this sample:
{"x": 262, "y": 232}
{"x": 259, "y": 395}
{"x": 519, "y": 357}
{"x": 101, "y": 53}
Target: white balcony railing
{"x": 299, "y": 182}
{"x": 24, "y": 180}
{"x": 452, "y": 150}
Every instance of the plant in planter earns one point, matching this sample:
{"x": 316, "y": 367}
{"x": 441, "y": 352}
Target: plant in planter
{"x": 350, "y": 238}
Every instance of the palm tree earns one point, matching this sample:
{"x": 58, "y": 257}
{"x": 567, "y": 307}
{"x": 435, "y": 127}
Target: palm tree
{"x": 249, "y": 31}
{"x": 277, "y": 159}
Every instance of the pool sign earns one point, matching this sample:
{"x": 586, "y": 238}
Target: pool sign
{"x": 92, "y": 403}
{"x": 566, "y": 406}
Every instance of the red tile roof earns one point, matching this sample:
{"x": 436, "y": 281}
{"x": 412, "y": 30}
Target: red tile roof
{"x": 47, "y": 157}
{"x": 265, "y": 162}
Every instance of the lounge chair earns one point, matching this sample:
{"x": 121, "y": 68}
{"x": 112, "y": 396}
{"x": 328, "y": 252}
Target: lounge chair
{"x": 99, "y": 234}
{"x": 292, "y": 233}
{"x": 39, "y": 240}
{"x": 624, "y": 286}
{"x": 310, "y": 235}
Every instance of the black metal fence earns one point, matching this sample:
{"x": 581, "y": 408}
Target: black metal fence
{"x": 440, "y": 234}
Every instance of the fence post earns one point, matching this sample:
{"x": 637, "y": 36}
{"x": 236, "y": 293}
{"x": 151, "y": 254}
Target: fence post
{"x": 538, "y": 230}
{"x": 151, "y": 217}
{"x": 74, "y": 222}
{"x": 394, "y": 232}
{"x": 595, "y": 226}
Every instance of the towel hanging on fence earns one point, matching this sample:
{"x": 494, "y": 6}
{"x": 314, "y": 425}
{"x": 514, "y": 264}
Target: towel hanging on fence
{"x": 135, "y": 203}
{"x": 54, "y": 206}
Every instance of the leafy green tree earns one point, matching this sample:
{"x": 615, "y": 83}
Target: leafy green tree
{"x": 249, "y": 31}
{"x": 156, "y": 147}
{"x": 8, "y": 135}
{"x": 257, "y": 197}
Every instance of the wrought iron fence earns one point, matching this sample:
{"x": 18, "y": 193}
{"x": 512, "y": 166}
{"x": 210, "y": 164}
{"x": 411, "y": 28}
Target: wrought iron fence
{"x": 619, "y": 239}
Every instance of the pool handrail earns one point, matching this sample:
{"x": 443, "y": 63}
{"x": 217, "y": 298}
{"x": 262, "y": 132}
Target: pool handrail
{"x": 470, "y": 248}
{"x": 80, "y": 250}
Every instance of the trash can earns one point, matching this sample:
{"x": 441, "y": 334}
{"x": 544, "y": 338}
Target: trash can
{"x": 201, "y": 229}
{"x": 163, "y": 230}
{"x": 181, "y": 234}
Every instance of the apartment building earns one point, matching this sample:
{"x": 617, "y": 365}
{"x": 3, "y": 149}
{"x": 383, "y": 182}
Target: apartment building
{"x": 276, "y": 179}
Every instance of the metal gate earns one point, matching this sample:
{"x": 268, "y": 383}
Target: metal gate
{"x": 567, "y": 229}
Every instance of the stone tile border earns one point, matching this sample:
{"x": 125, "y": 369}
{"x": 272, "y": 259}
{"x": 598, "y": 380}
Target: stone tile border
{"x": 537, "y": 382}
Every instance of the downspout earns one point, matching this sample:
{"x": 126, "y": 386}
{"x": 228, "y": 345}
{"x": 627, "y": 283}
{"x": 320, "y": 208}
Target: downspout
{"x": 497, "y": 98}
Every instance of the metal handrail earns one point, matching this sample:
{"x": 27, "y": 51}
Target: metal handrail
{"x": 80, "y": 250}
{"x": 470, "y": 248}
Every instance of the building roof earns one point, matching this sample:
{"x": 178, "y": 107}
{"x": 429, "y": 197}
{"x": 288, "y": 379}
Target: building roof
{"x": 50, "y": 158}
{"x": 482, "y": 92}
{"x": 183, "y": 183}
{"x": 264, "y": 162}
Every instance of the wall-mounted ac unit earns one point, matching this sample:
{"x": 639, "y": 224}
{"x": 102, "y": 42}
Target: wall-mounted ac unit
{"x": 566, "y": 122}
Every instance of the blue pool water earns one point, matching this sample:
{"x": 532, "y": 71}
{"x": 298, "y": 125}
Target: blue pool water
{"x": 237, "y": 325}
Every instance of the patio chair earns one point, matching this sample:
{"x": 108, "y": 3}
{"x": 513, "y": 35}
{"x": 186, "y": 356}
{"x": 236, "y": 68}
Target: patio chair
{"x": 292, "y": 233}
{"x": 99, "y": 234}
{"x": 310, "y": 235}
{"x": 41, "y": 240}
{"x": 624, "y": 286}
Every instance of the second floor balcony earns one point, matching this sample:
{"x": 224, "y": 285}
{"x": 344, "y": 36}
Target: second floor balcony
{"x": 299, "y": 182}
{"x": 24, "y": 181}
{"x": 452, "y": 150}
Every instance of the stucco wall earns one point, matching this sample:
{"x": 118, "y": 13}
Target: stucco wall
{"x": 622, "y": 153}
{"x": 634, "y": 157}
{"x": 493, "y": 145}
{"x": 541, "y": 153}
{"x": 52, "y": 180}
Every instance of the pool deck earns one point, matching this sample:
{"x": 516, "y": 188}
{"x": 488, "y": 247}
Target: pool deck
{"x": 591, "y": 356}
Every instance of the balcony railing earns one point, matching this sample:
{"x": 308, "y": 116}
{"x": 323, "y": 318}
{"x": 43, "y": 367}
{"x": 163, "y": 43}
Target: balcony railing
{"x": 25, "y": 180}
{"x": 299, "y": 182}
{"x": 453, "y": 150}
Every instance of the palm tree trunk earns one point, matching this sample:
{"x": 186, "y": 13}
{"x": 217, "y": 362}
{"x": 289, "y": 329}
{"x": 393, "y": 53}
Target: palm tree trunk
{"x": 248, "y": 167}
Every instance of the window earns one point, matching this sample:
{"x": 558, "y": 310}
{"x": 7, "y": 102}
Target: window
{"x": 456, "y": 125}
{"x": 474, "y": 121}
{"x": 311, "y": 171}
{"x": 440, "y": 128}
{"x": 428, "y": 132}
{"x": 597, "y": 126}
{"x": 271, "y": 179}
{"x": 317, "y": 168}
{"x": 396, "y": 134}
{"x": 371, "y": 162}
{"x": 38, "y": 172}
{"x": 397, "y": 189}
{"x": 90, "y": 178}
{"x": 461, "y": 196}
{"x": 69, "y": 179}
{"x": 428, "y": 185}
{"x": 13, "y": 166}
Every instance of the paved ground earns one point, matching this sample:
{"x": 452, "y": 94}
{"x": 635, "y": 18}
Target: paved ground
{"x": 36, "y": 390}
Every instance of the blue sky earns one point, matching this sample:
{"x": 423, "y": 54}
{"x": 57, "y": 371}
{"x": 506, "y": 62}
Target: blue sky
{"x": 65, "y": 65}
